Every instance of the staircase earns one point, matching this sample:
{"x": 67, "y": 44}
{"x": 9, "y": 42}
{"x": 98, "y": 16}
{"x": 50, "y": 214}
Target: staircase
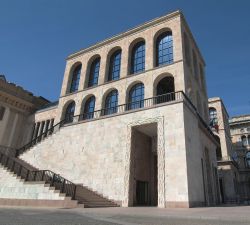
{"x": 16, "y": 191}
{"x": 23, "y": 184}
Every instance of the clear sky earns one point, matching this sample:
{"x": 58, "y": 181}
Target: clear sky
{"x": 37, "y": 36}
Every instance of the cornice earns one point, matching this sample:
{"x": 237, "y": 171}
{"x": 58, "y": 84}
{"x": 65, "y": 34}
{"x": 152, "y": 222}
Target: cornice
{"x": 127, "y": 33}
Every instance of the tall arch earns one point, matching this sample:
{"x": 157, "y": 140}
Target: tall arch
{"x": 114, "y": 65}
{"x": 111, "y": 102}
{"x": 164, "y": 48}
{"x": 74, "y": 78}
{"x": 136, "y": 96}
{"x": 69, "y": 112}
{"x": 93, "y": 71}
{"x": 164, "y": 89}
{"x": 137, "y": 57}
{"x": 88, "y": 108}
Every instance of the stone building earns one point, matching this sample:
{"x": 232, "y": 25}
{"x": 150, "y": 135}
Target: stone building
{"x": 132, "y": 119}
{"x": 17, "y": 107}
{"x": 227, "y": 165}
{"x": 240, "y": 132}
{"x": 233, "y": 156}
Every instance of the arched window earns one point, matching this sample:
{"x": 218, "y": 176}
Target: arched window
{"x": 138, "y": 58}
{"x": 136, "y": 97}
{"x": 89, "y": 108}
{"x": 111, "y": 103}
{"x": 213, "y": 117}
{"x": 115, "y": 66}
{"x": 164, "y": 49}
{"x": 165, "y": 90}
{"x": 75, "y": 79}
{"x": 69, "y": 113}
{"x": 94, "y": 72}
{"x": 244, "y": 140}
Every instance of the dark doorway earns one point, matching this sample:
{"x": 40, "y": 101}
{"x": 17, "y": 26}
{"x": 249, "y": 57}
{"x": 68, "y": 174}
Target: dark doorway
{"x": 142, "y": 193}
{"x": 222, "y": 191}
{"x": 144, "y": 167}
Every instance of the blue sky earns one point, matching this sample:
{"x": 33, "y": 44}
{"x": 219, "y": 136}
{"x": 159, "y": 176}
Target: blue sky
{"x": 37, "y": 36}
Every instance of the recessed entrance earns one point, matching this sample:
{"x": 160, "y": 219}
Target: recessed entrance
{"x": 144, "y": 165}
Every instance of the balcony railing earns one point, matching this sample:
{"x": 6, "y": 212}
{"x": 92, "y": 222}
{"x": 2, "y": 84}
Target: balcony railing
{"x": 49, "y": 177}
{"x": 120, "y": 109}
{"x": 136, "y": 105}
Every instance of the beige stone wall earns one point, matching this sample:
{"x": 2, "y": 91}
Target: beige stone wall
{"x": 149, "y": 33}
{"x": 99, "y": 154}
{"x": 197, "y": 140}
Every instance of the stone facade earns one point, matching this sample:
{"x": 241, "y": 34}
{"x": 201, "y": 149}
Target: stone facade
{"x": 16, "y": 109}
{"x": 161, "y": 153}
{"x": 240, "y": 132}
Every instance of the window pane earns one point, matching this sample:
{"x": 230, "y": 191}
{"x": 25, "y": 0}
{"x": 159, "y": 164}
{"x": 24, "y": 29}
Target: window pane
{"x": 94, "y": 73}
{"x": 114, "y": 66}
{"x": 164, "y": 49}
{"x": 138, "y": 57}
{"x": 136, "y": 97}
{"x": 75, "y": 79}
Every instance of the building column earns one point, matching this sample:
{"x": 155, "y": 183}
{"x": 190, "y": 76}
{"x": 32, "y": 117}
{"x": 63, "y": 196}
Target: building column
{"x": 124, "y": 61}
{"x": 149, "y": 52}
{"x": 13, "y": 130}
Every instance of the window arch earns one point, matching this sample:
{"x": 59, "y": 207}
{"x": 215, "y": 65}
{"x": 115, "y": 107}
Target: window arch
{"x": 165, "y": 90}
{"x": 213, "y": 117}
{"x": 89, "y": 108}
{"x": 69, "y": 113}
{"x": 164, "y": 48}
{"x": 111, "y": 103}
{"x": 75, "y": 79}
{"x": 115, "y": 65}
{"x": 136, "y": 97}
{"x": 94, "y": 72}
{"x": 138, "y": 58}
{"x": 244, "y": 140}
{"x": 248, "y": 159}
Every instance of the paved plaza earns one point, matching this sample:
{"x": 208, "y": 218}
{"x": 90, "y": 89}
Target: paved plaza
{"x": 126, "y": 216}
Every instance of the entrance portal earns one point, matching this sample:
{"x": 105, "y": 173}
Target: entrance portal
{"x": 144, "y": 165}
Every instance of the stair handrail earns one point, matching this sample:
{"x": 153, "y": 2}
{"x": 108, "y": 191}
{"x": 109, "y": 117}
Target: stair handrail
{"x": 48, "y": 176}
{"x": 37, "y": 139}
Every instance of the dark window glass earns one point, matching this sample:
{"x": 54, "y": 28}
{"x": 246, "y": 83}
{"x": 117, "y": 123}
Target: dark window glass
{"x": 94, "y": 73}
{"x": 164, "y": 49}
{"x": 114, "y": 66}
{"x": 2, "y": 110}
{"x": 69, "y": 114}
{"x": 136, "y": 97}
{"x": 244, "y": 140}
{"x": 111, "y": 103}
{"x": 89, "y": 108}
{"x": 248, "y": 159}
{"x": 75, "y": 79}
{"x": 213, "y": 117}
{"x": 165, "y": 90}
{"x": 138, "y": 58}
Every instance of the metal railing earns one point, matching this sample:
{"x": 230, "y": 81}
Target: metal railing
{"x": 137, "y": 105}
{"x": 49, "y": 177}
{"x": 39, "y": 138}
